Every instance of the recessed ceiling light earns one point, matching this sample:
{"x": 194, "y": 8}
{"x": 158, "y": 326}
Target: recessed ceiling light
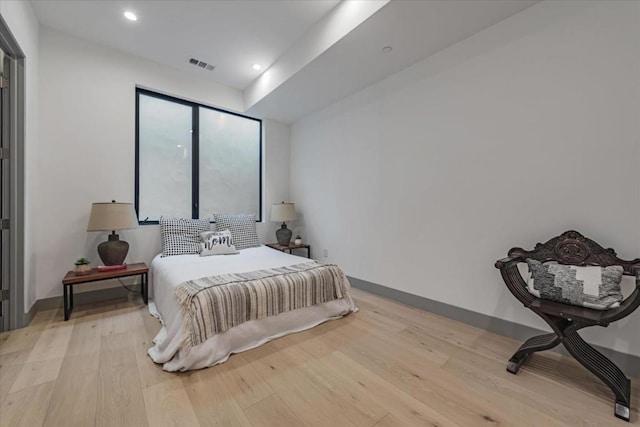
{"x": 256, "y": 67}
{"x": 130, "y": 16}
{"x": 387, "y": 49}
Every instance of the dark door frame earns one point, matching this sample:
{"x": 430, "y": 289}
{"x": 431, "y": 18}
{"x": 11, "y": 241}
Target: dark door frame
{"x": 16, "y": 123}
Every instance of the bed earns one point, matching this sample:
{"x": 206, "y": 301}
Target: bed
{"x": 167, "y": 274}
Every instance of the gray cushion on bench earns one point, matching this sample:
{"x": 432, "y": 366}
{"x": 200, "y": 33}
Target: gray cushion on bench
{"x": 592, "y": 287}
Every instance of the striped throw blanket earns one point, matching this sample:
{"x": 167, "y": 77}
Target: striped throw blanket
{"x": 215, "y": 304}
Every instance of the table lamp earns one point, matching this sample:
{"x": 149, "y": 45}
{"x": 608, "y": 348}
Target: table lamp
{"x": 111, "y": 217}
{"x": 282, "y": 212}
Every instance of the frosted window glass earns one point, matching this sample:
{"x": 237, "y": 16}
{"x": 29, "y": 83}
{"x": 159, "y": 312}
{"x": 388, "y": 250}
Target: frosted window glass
{"x": 181, "y": 144}
{"x": 229, "y": 164}
{"x": 164, "y": 159}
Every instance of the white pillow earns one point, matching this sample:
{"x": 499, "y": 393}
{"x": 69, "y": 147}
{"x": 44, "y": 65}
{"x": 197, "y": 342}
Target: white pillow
{"x": 217, "y": 243}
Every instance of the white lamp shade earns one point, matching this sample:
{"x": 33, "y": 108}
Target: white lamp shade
{"x": 283, "y": 212}
{"x": 112, "y": 216}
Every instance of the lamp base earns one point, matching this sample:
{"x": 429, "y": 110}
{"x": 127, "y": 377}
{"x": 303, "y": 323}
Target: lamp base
{"x": 113, "y": 251}
{"x": 283, "y": 235}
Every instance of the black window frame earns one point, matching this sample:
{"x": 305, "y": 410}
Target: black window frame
{"x": 195, "y": 152}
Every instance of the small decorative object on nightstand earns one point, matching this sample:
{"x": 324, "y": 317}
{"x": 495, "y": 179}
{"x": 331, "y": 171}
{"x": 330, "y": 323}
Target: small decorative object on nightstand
{"x": 83, "y": 267}
{"x": 298, "y": 240}
{"x": 283, "y": 212}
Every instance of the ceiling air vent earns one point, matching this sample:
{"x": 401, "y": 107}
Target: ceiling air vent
{"x": 201, "y": 64}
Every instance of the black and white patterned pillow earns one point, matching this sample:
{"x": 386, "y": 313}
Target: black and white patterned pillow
{"x": 242, "y": 227}
{"x": 181, "y": 236}
{"x": 592, "y": 287}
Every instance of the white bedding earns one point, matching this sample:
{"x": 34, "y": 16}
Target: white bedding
{"x": 167, "y": 273}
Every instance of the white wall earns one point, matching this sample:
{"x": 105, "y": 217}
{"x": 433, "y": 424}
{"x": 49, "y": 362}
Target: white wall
{"x": 87, "y": 110}
{"x": 276, "y": 175}
{"x": 23, "y": 25}
{"x": 525, "y": 130}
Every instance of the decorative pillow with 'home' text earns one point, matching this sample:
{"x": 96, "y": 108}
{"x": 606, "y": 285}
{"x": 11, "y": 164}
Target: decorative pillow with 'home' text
{"x": 217, "y": 243}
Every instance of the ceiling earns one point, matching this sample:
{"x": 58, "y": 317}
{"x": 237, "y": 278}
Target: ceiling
{"x": 414, "y": 30}
{"x": 233, "y": 35}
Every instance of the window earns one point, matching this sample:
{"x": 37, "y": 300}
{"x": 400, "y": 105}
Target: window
{"x": 193, "y": 160}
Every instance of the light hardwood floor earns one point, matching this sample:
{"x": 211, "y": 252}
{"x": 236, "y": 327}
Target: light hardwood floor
{"x": 387, "y": 365}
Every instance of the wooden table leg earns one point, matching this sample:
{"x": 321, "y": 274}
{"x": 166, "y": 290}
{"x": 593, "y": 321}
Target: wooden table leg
{"x": 145, "y": 288}
{"x": 65, "y": 302}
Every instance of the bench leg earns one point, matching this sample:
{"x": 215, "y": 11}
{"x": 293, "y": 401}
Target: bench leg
{"x": 537, "y": 343}
{"x": 604, "y": 369}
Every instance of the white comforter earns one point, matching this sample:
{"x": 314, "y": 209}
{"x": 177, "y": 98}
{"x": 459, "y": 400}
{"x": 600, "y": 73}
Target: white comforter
{"x": 167, "y": 273}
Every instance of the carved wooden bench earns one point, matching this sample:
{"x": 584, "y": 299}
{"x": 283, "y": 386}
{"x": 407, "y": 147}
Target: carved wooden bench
{"x": 565, "y": 320}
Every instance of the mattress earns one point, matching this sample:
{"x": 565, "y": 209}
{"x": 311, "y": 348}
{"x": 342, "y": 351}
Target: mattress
{"x": 165, "y": 274}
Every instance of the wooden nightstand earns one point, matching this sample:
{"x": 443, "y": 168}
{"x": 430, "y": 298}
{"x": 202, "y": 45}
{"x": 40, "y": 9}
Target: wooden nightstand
{"x": 72, "y": 279}
{"x": 291, "y": 246}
